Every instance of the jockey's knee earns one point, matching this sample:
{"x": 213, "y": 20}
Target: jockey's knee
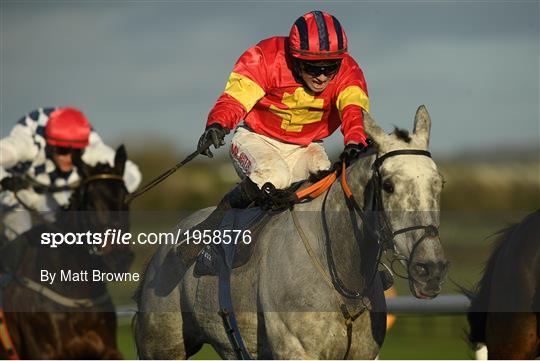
{"x": 317, "y": 159}
{"x": 280, "y": 177}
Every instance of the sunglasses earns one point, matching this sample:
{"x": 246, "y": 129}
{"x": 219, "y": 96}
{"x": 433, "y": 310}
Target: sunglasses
{"x": 316, "y": 70}
{"x": 61, "y": 150}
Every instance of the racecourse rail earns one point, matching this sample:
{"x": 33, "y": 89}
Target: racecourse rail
{"x": 444, "y": 304}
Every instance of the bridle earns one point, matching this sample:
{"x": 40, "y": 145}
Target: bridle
{"x": 80, "y": 187}
{"x": 375, "y": 225}
{"x": 102, "y": 176}
{"x": 76, "y": 303}
{"x": 43, "y": 188}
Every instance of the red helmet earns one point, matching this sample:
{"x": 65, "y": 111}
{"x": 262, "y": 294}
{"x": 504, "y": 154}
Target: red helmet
{"x": 317, "y": 36}
{"x": 68, "y": 128}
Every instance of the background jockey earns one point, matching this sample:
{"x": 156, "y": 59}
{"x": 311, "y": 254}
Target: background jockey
{"x": 291, "y": 93}
{"x": 43, "y": 147}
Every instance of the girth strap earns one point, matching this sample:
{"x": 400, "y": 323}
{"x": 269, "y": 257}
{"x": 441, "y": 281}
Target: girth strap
{"x": 226, "y": 257}
{"x": 349, "y": 321}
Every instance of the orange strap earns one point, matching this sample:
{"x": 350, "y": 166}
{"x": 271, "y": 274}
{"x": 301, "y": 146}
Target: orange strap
{"x": 5, "y": 338}
{"x": 344, "y": 184}
{"x": 316, "y": 189}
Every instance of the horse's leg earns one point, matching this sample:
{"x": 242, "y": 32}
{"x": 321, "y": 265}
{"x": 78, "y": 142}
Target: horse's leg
{"x": 12, "y": 323}
{"x": 512, "y": 335}
{"x": 537, "y": 334}
{"x": 158, "y": 323}
{"x": 106, "y": 326}
{"x": 316, "y": 335}
{"x": 158, "y": 335}
{"x": 112, "y": 352}
{"x": 39, "y": 338}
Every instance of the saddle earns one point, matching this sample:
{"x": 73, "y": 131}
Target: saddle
{"x": 249, "y": 221}
{"x": 245, "y": 221}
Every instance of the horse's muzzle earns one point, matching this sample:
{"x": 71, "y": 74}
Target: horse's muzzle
{"x": 426, "y": 278}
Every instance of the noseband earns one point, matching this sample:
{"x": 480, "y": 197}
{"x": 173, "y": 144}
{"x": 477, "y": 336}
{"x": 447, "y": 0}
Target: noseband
{"x": 101, "y": 176}
{"x": 376, "y": 225}
{"x": 83, "y": 185}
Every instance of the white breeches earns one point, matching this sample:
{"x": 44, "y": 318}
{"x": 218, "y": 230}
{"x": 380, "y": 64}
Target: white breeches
{"x": 264, "y": 159}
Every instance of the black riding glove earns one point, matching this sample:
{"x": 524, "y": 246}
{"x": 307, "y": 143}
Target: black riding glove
{"x": 213, "y": 135}
{"x": 352, "y": 151}
{"x": 13, "y": 184}
{"x": 276, "y": 199}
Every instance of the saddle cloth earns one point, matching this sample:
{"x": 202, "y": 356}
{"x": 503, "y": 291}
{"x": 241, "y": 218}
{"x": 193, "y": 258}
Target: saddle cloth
{"x": 243, "y": 220}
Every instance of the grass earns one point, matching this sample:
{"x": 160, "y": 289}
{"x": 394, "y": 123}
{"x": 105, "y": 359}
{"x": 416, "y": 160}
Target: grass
{"x": 439, "y": 337}
{"x": 411, "y": 337}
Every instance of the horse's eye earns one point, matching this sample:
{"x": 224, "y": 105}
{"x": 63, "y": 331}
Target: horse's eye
{"x": 388, "y": 186}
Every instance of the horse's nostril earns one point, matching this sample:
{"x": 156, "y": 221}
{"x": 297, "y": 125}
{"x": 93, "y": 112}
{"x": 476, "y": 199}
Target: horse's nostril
{"x": 431, "y": 231}
{"x": 436, "y": 270}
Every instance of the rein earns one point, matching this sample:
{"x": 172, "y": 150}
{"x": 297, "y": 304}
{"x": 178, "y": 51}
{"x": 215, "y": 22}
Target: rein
{"x": 92, "y": 178}
{"x": 381, "y": 231}
{"x": 44, "y": 188}
{"x": 375, "y": 223}
{"x": 47, "y": 292}
{"x": 160, "y": 178}
{"x": 84, "y": 182}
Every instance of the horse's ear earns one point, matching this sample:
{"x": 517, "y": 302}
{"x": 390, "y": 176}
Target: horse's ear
{"x": 422, "y": 125}
{"x": 120, "y": 159}
{"x": 373, "y": 130}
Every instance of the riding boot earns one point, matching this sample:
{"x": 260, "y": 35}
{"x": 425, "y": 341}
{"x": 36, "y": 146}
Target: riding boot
{"x": 241, "y": 196}
{"x": 277, "y": 199}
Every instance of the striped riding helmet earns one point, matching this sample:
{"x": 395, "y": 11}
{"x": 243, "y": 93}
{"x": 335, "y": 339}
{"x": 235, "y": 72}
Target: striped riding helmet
{"x": 67, "y": 128}
{"x": 317, "y": 35}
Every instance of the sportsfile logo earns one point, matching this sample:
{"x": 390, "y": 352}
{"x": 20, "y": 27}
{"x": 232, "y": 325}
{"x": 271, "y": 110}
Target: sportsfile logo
{"x": 119, "y": 237}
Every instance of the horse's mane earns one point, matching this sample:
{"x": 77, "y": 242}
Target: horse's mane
{"x": 479, "y": 295}
{"x": 402, "y": 134}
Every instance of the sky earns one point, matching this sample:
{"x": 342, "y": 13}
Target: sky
{"x": 150, "y": 71}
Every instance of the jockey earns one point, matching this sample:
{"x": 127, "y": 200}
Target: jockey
{"x": 43, "y": 148}
{"x": 291, "y": 93}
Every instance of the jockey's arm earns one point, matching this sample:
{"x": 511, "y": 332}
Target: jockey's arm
{"x": 18, "y": 146}
{"x": 351, "y": 97}
{"x": 97, "y": 151}
{"x": 245, "y": 87}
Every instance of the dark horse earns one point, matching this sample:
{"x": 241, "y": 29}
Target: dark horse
{"x": 70, "y": 319}
{"x": 505, "y": 308}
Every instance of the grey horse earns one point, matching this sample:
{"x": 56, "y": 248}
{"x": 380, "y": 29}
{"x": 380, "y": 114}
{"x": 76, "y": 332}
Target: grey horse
{"x": 288, "y": 306}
